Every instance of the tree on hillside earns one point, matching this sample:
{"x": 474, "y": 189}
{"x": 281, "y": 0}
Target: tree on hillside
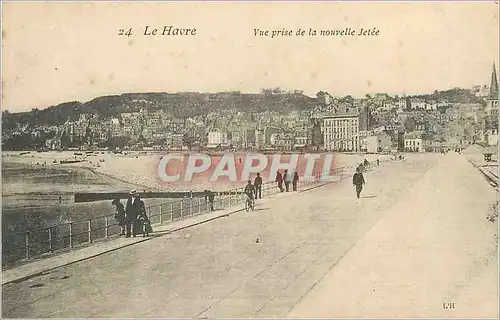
{"x": 410, "y": 124}
{"x": 348, "y": 99}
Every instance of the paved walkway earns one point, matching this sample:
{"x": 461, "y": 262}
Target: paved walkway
{"x": 440, "y": 249}
{"x": 218, "y": 269}
{"x": 65, "y": 257}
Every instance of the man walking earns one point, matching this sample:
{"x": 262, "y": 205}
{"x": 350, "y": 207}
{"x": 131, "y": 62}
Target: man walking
{"x": 358, "y": 181}
{"x": 258, "y": 186}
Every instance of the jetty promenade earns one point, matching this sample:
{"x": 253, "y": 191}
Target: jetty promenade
{"x": 416, "y": 244}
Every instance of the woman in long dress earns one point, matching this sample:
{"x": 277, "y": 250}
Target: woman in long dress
{"x": 120, "y": 215}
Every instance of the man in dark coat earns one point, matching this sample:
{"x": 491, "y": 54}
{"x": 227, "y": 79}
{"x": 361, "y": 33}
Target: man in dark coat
{"x": 279, "y": 180}
{"x": 358, "y": 181}
{"x": 295, "y": 181}
{"x": 258, "y": 186}
{"x": 135, "y": 207}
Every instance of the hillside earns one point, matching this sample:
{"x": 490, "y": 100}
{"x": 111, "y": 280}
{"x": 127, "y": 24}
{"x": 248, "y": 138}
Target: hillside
{"x": 179, "y": 104}
{"x": 455, "y": 95}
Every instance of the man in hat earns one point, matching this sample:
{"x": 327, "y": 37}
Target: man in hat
{"x": 258, "y": 186}
{"x": 135, "y": 206}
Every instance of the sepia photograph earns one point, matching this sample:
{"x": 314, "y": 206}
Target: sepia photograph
{"x": 267, "y": 159}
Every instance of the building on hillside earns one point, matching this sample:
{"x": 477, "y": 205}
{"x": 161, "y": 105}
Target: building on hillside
{"x": 403, "y": 103}
{"x": 431, "y": 105}
{"x": 260, "y": 140}
{"x": 284, "y": 142}
{"x": 177, "y": 140}
{"x": 301, "y": 141}
{"x": 417, "y": 103}
{"x": 480, "y": 91}
{"x": 341, "y": 131}
{"x": 414, "y": 142}
{"x": 216, "y": 138}
{"x": 268, "y": 132}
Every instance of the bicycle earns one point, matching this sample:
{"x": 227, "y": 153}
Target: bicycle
{"x": 249, "y": 204}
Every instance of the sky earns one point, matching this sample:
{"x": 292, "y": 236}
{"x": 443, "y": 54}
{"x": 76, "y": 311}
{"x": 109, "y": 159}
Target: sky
{"x": 59, "y": 52}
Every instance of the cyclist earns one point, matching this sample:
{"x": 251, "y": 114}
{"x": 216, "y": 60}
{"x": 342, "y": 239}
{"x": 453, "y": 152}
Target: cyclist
{"x": 250, "y": 190}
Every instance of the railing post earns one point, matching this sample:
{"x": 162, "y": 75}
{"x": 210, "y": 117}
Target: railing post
{"x": 27, "y": 244}
{"x": 51, "y": 249}
{"x": 71, "y": 234}
{"x": 199, "y": 205}
{"x": 171, "y": 211}
{"x": 106, "y": 226}
{"x": 161, "y": 214}
{"x": 182, "y": 209}
{"x": 90, "y": 230}
{"x": 191, "y": 206}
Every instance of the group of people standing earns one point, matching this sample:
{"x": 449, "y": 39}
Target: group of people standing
{"x": 287, "y": 178}
{"x": 132, "y": 219}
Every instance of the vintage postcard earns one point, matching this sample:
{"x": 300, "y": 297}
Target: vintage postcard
{"x": 250, "y": 159}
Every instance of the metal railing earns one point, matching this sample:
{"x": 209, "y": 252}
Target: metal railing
{"x": 37, "y": 242}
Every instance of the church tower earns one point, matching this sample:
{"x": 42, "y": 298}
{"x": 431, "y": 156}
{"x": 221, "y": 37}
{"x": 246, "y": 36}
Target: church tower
{"x": 494, "y": 85}
{"x": 492, "y": 101}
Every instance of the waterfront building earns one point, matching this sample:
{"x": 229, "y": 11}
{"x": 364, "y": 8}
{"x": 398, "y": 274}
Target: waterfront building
{"x": 341, "y": 131}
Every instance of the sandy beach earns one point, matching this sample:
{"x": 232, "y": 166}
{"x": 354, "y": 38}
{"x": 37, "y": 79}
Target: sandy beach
{"x": 140, "y": 169}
